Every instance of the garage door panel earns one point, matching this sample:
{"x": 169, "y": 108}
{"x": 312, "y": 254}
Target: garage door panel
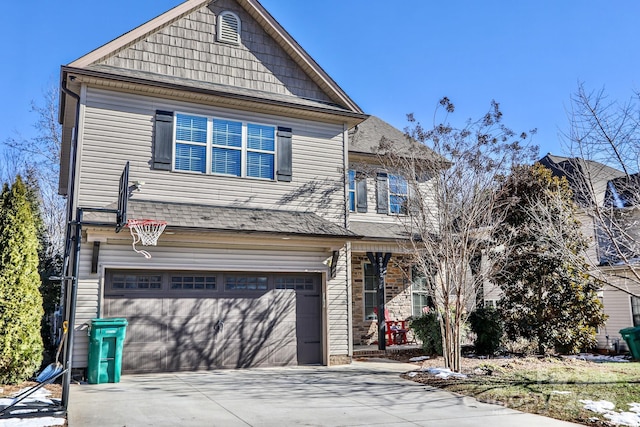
{"x": 189, "y": 307}
{"x": 137, "y": 358}
{"x": 129, "y": 307}
{"x": 191, "y": 327}
{"x": 247, "y": 307}
{"x": 190, "y": 357}
{"x": 285, "y": 354}
{"x": 145, "y": 330}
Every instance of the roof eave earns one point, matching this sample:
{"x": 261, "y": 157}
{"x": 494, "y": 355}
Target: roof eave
{"x": 350, "y": 116}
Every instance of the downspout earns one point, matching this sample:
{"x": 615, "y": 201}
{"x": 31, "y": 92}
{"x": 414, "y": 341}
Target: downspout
{"x": 68, "y": 298}
{"x": 348, "y": 244}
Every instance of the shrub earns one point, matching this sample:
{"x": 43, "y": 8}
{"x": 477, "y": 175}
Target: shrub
{"x": 487, "y": 325}
{"x": 20, "y": 299}
{"x": 427, "y": 328}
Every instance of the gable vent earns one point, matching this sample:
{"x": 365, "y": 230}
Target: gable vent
{"x": 229, "y": 28}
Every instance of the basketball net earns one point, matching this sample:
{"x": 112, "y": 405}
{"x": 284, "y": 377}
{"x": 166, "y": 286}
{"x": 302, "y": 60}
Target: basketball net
{"x": 145, "y": 232}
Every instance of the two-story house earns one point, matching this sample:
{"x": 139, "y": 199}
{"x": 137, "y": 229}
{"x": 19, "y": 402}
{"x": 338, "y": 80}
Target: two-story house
{"x": 609, "y": 210}
{"x": 238, "y": 139}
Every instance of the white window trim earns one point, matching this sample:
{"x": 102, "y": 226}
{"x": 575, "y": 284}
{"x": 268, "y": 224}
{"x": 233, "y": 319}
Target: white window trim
{"x": 365, "y": 291}
{"x": 209, "y": 146}
{"x": 389, "y": 194}
{"x": 354, "y": 191}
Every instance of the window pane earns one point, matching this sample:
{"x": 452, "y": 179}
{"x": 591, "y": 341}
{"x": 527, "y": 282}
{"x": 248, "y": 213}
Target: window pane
{"x": 191, "y": 128}
{"x": 352, "y": 191}
{"x": 227, "y": 133}
{"x": 635, "y": 310}
{"x": 370, "y": 278}
{"x": 226, "y": 161}
{"x": 260, "y": 137}
{"x": 398, "y": 204}
{"x": 370, "y": 305}
{"x": 397, "y": 185}
{"x": 260, "y": 165}
{"x": 190, "y": 157}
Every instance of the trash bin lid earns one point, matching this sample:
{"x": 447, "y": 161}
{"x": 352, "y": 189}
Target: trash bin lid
{"x": 109, "y": 322}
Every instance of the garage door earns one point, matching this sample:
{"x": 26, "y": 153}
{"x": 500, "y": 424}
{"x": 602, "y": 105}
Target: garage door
{"x": 206, "y": 320}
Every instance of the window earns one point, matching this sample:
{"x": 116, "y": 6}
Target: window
{"x": 370, "y": 292}
{"x": 193, "y": 282}
{"x": 352, "y": 191}
{"x": 136, "y": 281}
{"x": 420, "y": 296}
{"x": 357, "y": 191}
{"x": 635, "y": 310}
{"x": 229, "y": 28}
{"x": 398, "y": 195}
{"x": 225, "y": 147}
{"x": 246, "y": 283}
{"x": 295, "y": 283}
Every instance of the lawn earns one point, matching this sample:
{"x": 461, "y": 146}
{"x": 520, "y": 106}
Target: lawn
{"x": 551, "y": 386}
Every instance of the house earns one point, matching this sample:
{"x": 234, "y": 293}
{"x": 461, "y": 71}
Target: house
{"x": 609, "y": 211}
{"x": 237, "y": 139}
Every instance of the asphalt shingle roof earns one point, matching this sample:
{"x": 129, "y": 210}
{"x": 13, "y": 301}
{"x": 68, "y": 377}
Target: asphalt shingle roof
{"x": 216, "y": 218}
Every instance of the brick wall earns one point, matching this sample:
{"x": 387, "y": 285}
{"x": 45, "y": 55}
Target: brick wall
{"x": 397, "y": 291}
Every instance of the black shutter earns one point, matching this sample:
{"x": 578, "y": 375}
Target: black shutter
{"x": 361, "y": 192}
{"x": 382, "y": 192}
{"x": 163, "y": 140}
{"x": 284, "y": 154}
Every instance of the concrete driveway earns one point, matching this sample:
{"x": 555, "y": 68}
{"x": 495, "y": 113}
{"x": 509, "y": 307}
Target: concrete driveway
{"x": 360, "y": 394}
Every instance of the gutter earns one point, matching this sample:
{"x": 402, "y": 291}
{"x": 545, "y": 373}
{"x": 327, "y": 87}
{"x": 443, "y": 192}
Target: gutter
{"x": 68, "y": 299}
{"x": 213, "y": 92}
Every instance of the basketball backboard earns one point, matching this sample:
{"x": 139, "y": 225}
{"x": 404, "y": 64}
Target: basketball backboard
{"x": 123, "y": 198}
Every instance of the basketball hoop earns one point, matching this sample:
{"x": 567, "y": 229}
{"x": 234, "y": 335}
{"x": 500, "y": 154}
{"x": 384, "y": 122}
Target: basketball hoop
{"x": 146, "y": 232}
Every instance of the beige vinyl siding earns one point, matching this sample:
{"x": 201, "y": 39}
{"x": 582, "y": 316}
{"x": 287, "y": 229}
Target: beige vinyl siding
{"x": 372, "y": 214}
{"x": 167, "y": 256}
{"x": 337, "y": 309}
{"x": 118, "y": 128}
{"x": 187, "y": 49}
{"x": 617, "y": 305}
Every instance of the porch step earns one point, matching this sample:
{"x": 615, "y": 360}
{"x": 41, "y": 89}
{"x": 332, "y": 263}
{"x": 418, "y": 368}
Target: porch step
{"x": 372, "y": 351}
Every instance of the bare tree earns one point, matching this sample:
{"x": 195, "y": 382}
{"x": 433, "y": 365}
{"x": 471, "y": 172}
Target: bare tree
{"x": 453, "y": 176}
{"x": 39, "y": 157}
{"x": 604, "y": 146}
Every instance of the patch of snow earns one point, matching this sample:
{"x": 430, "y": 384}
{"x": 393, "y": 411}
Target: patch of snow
{"x": 599, "y": 358}
{"x": 32, "y": 422}
{"x": 624, "y": 418}
{"x": 40, "y": 396}
{"x": 444, "y": 373}
{"x": 599, "y": 406}
{"x": 631, "y": 419}
{"x": 419, "y": 359}
{"x": 412, "y": 374}
{"x": 560, "y": 392}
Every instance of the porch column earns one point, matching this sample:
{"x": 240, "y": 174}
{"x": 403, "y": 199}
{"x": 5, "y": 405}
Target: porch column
{"x": 379, "y": 261}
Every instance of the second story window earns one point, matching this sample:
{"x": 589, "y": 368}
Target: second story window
{"x": 352, "y": 191}
{"x": 357, "y": 191}
{"x": 225, "y": 147}
{"x": 398, "y": 195}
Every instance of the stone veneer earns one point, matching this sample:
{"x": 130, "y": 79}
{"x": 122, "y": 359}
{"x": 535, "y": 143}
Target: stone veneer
{"x": 397, "y": 291}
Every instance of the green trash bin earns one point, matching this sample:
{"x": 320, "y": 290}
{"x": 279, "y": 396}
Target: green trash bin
{"x": 106, "y": 341}
{"x": 632, "y": 337}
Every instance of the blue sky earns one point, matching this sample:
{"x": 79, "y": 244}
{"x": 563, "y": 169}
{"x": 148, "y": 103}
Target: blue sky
{"x": 392, "y": 58}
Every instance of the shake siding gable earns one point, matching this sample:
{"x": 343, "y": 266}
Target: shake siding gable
{"x": 188, "y": 49}
{"x": 119, "y": 127}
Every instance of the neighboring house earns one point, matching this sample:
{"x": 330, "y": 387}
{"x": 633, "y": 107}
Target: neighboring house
{"x": 239, "y": 140}
{"x": 617, "y": 195}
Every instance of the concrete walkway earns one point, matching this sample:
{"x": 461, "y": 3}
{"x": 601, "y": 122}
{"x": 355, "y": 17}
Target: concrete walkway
{"x": 360, "y": 394}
